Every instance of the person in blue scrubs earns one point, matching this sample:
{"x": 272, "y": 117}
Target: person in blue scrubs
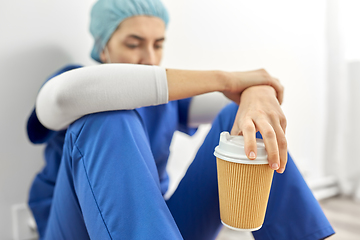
{"x": 105, "y": 178}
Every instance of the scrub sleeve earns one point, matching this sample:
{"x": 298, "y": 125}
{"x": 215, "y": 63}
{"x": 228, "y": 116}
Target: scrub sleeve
{"x": 109, "y": 185}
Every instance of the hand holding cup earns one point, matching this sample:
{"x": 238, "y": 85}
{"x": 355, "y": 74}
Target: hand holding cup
{"x": 244, "y": 184}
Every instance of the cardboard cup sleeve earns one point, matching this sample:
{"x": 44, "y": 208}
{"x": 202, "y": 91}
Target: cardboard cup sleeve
{"x": 244, "y": 185}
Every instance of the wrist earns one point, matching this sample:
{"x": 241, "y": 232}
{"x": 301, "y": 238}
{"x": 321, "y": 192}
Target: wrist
{"x": 260, "y": 89}
{"x": 223, "y": 80}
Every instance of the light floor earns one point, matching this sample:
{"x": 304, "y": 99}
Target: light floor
{"x": 343, "y": 214}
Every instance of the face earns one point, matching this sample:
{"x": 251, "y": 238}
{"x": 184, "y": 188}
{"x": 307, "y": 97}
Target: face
{"x": 138, "y": 40}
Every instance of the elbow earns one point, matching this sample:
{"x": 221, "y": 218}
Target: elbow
{"x": 49, "y": 107}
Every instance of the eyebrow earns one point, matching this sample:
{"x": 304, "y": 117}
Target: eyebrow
{"x": 142, "y": 39}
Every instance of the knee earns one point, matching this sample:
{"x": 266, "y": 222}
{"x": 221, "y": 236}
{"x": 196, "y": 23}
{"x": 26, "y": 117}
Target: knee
{"x": 112, "y": 120}
{"x": 105, "y": 130}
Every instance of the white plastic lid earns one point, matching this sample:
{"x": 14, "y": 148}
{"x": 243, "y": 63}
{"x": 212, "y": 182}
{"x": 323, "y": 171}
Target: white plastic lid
{"x": 231, "y": 148}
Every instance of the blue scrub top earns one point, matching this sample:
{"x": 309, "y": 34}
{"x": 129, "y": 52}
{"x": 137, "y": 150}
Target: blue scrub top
{"x": 171, "y": 117}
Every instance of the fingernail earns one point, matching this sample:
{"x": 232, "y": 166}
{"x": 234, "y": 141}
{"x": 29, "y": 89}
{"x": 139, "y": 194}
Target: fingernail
{"x": 281, "y": 170}
{"x": 275, "y": 166}
{"x": 252, "y": 155}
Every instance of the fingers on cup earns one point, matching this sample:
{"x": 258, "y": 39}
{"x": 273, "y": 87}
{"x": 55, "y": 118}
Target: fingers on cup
{"x": 271, "y": 144}
{"x": 278, "y": 122}
{"x": 283, "y": 123}
{"x": 282, "y": 144}
{"x": 235, "y": 129}
{"x": 249, "y": 132}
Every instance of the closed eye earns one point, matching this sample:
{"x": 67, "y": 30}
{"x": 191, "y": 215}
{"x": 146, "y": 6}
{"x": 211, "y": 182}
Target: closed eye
{"x": 132, "y": 46}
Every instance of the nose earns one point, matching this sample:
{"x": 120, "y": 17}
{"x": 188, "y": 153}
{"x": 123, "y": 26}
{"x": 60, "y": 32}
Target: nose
{"x": 148, "y": 56}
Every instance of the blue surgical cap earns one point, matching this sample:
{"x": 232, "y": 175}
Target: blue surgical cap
{"x": 106, "y": 15}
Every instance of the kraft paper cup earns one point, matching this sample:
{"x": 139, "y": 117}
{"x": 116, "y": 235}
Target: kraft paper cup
{"x": 244, "y": 184}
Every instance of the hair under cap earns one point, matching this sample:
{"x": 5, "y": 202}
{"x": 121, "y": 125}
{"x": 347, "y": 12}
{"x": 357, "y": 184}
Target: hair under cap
{"x": 106, "y": 15}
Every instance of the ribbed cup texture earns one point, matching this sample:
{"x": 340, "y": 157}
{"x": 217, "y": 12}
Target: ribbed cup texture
{"x": 243, "y": 193}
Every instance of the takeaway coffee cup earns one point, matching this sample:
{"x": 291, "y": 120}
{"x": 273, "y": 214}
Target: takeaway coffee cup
{"x": 244, "y": 184}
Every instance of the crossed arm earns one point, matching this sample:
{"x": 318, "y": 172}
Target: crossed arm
{"x": 106, "y": 87}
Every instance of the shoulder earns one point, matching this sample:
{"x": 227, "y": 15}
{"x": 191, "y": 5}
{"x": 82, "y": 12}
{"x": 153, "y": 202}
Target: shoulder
{"x": 65, "y": 69}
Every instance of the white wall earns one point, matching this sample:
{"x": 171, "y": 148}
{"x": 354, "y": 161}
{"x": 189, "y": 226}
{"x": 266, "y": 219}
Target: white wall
{"x": 343, "y": 89}
{"x": 38, "y": 37}
{"x": 349, "y": 19}
{"x": 286, "y": 38}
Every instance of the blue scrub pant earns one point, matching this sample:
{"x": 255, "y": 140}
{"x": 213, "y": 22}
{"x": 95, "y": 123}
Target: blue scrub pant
{"x": 120, "y": 198}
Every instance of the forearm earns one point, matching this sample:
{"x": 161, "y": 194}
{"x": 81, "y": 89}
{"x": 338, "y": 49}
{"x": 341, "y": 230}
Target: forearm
{"x": 185, "y": 83}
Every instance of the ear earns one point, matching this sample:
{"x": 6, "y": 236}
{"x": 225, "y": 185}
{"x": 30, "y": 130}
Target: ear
{"x": 102, "y": 57}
